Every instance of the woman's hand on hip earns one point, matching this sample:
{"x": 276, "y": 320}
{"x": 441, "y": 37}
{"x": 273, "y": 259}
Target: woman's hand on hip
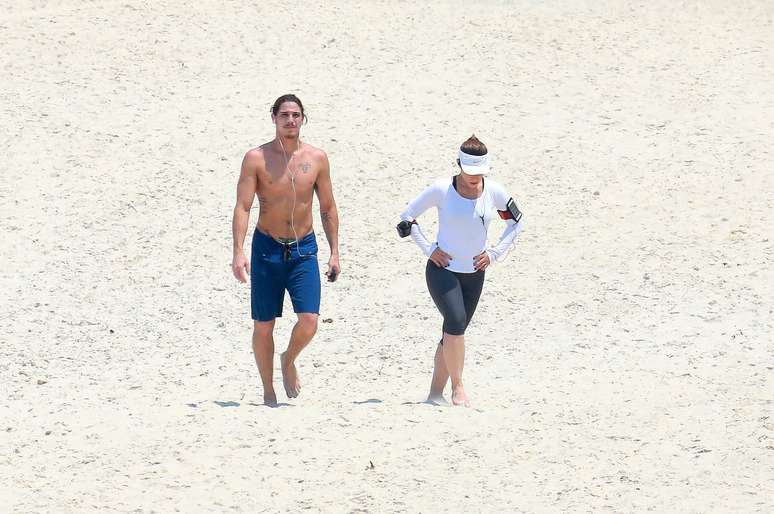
{"x": 440, "y": 258}
{"x": 481, "y": 261}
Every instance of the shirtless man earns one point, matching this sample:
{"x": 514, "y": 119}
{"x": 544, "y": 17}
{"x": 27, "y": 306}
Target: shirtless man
{"x": 283, "y": 174}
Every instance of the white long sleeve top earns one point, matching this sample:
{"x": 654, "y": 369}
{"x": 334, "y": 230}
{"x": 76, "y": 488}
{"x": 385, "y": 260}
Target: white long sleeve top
{"x": 463, "y": 223}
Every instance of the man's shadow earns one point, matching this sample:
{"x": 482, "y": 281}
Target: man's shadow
{"x": 370, "y": 400}
{"x": 231, "y": 403}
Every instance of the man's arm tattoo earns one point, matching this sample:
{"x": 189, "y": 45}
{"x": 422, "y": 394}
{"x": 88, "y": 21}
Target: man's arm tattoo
{"x": 325, "y": 217}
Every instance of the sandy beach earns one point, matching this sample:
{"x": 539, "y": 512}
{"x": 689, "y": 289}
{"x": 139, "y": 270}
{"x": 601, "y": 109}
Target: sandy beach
{"x": 621, "y": 360}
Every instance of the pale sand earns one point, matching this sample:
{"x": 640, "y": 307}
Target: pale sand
{"x": 620, "y": 361}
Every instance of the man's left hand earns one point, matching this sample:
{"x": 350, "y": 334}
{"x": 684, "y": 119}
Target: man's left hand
{"x": 333, "y": 269}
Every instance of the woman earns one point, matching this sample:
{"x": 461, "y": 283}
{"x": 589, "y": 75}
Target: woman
{"x": 458, "y": 260}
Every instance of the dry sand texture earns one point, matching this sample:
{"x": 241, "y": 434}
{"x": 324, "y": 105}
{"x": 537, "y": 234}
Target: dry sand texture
{"x": 620, "y": 361}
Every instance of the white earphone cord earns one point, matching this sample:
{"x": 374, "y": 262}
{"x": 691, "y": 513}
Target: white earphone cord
{"x": 293, "y": 185}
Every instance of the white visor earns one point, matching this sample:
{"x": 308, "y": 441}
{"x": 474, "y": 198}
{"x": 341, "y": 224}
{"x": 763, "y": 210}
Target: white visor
{"x": 474, "y": 164}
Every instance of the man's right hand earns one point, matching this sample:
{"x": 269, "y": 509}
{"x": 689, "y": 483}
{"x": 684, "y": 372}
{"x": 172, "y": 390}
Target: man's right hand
{"x": 440, "y": 258}
{"x": 240, "y": 266}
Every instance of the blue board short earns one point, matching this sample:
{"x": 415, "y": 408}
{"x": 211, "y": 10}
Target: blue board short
{"x": 278, "y": 266}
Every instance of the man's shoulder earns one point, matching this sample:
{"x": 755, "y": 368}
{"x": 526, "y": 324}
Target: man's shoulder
{"x": 256, "y": 152}
{"x": 314, "y": 152}
{"x": 254, "y": 160}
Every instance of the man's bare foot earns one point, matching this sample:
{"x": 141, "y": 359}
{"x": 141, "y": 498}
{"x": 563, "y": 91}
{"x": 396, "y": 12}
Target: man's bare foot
{"x": 270, "y": 399}
{"x": 290, "y": 377}
{"x": 459, "y": 397}
{"x": 437, "y": 399}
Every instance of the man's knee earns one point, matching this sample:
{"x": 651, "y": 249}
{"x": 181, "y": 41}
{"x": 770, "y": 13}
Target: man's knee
{"x": 263, "y": 328}
{"x": 307, "y": 323}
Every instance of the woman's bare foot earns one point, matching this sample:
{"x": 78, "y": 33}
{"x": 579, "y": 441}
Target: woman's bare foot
{"x": 270, "y": 399}
{"x": 290, "y": 377}
{"x": 459, "y": 397}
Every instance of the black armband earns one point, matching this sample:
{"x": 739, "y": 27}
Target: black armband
{"x": 511, "y": 212}
{"x": 404, "y": 227}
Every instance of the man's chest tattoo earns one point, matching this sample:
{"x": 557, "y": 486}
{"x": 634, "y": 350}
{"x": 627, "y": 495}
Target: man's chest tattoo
{"x": 306, "y": 166}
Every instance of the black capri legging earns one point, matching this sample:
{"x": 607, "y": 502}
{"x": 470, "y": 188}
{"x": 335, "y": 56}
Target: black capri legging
{"x": 455, "y": 294}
